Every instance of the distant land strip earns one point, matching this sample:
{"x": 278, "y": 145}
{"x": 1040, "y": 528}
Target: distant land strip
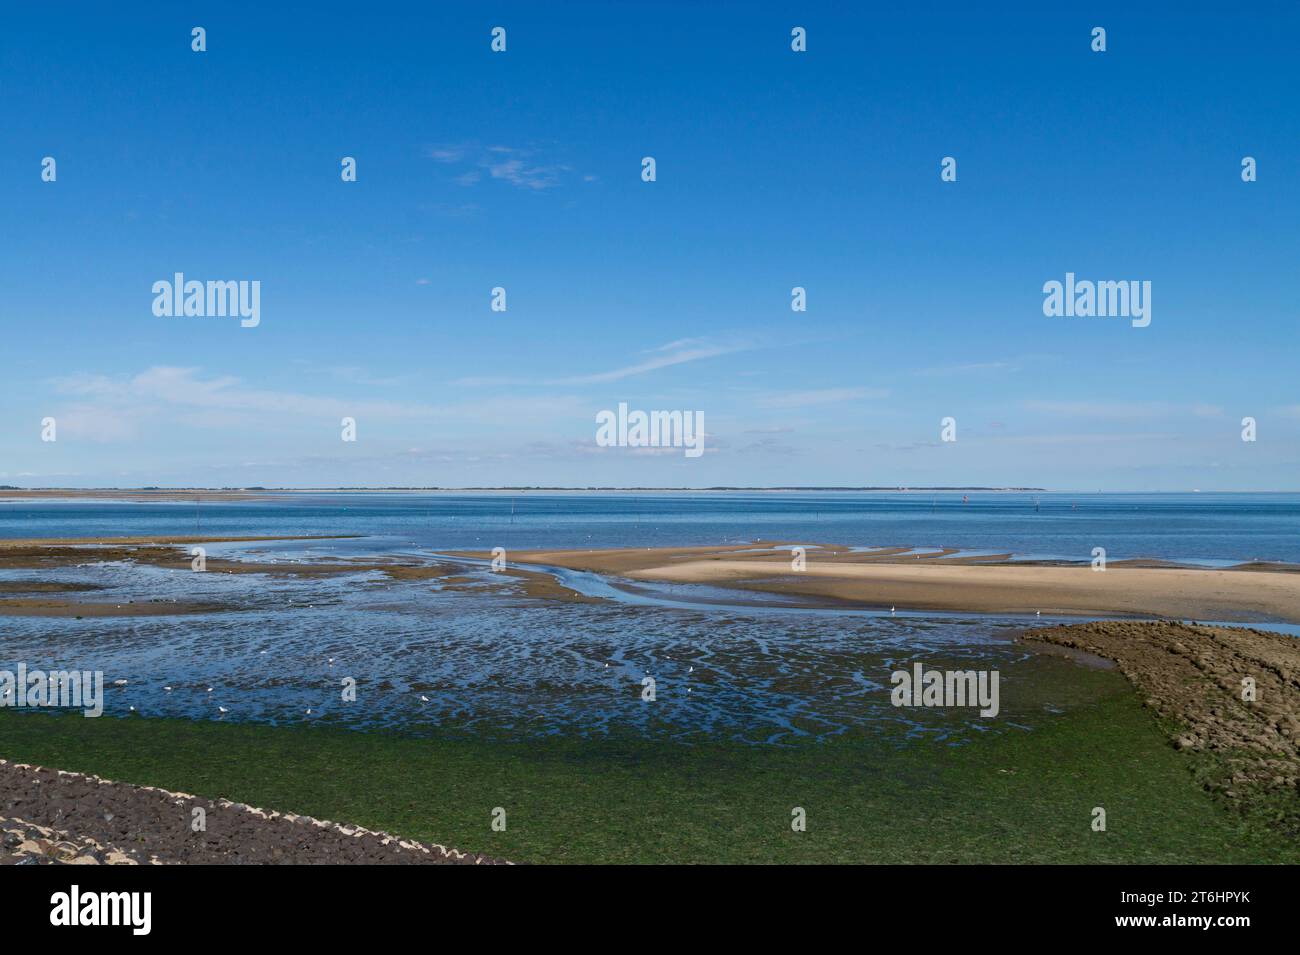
{"x": 254, "y": 489}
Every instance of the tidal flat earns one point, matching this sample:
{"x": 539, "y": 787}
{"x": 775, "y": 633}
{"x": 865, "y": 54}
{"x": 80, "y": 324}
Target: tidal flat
{"x": 522, "y": 688}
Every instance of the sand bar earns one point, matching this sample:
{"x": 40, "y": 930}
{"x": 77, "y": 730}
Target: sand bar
{"x": 835, "y": 575}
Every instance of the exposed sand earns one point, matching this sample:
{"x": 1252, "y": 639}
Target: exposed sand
{"x": 546, "y": 587}
{"x": 893, "y": 579}
{"x": 173, "y": 553}
{"x": 833, "y": 575}
{"x": 45, "y": 587}
{"x": 65, "y": 607}
{"x": 42, "y": 554}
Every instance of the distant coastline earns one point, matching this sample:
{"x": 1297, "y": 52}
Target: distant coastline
{"x": 255, "y": 489}
{"x": 8, "y": 490}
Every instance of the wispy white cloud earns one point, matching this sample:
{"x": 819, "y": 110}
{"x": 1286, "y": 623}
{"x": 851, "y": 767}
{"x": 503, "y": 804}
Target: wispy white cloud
{"x": 819, "y": 396}
{"x": 525, "y": 168}
{"x": 908, "y": 446}
{"x": 352, "y": 374}
{"x": 447, "y": 154}
{"x": 664, "y": 356}
{"x": 1009, "y": 365}
{"x": 164, "y": 385}
{"x": 517, "y": 172}
{"x": 1123, "y": 410}
{"x": 107, "y": 409}
{"x": 769, "y": 445}
{"x": 1137, "y": 440}
{"x": 970, "y": 368}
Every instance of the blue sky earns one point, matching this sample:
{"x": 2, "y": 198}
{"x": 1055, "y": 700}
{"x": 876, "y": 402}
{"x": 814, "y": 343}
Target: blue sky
{"x": 775, "y": 169}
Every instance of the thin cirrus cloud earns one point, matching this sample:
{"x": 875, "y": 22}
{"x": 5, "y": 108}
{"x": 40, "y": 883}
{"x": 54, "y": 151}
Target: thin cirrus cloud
{"x": 1008, "y": 365}
{"x": 164, "y": 385}
{"x": 819, "y": 396}
{"x": 1138, "y": 440}
{"x": 970, "y": 368}
{"x": 111, "y": 408}
{"x": 351, "y": 374}
{"x": 108, "y": 409}
{"x": 518, "y": 167}
{"x": 1123, "y": 410}
{"x": 678, "y": 352}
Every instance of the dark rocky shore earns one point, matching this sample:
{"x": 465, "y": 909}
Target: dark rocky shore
{"x": 1230, "y": 694}
{"x": 53, "y": 817}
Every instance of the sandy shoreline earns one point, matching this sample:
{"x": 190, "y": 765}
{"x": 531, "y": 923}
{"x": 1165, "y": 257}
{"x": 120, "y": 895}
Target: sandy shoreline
{"x": 832, "y": 575}
{"x": 888, "y": 578}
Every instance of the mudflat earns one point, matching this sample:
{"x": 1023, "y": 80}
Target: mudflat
{"x": 45, "y": 598}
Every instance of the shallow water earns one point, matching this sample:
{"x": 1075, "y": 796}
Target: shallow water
{"x": 490, "y": 661}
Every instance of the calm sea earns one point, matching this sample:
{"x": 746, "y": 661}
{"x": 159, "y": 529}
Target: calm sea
{"x": 1200, "y": 527}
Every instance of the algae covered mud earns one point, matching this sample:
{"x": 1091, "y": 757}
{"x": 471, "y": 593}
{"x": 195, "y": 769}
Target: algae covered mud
{"x": 689, "y": 701}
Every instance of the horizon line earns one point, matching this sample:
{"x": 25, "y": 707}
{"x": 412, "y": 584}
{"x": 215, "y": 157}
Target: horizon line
{"x": 892, "y": 488}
